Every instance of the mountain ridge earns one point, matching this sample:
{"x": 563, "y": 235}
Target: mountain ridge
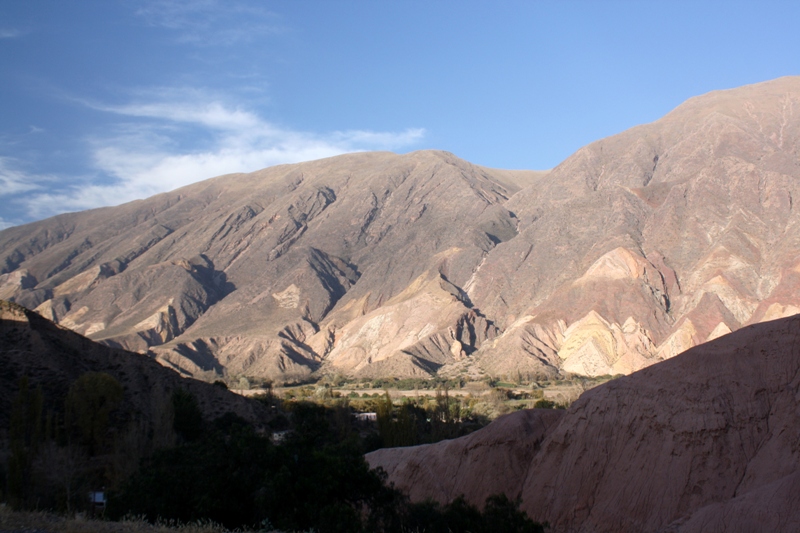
{"x": 635, "y": 248}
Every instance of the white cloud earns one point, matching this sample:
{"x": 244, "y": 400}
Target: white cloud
{"x": 210, "y": 22}
{"x": 14, "y": 181}
{"x": 16, "y": 188}
{"x": 9, "y": 33}
{"x": 211, "y": 114}
{"x": 149, "y": 154}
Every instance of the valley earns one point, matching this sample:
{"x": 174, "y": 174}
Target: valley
{"x": 608, "y": 345}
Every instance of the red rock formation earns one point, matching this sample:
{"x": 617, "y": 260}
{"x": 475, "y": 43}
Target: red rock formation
{"x": 706, "y": 441}
{"x": 479, "y": 465}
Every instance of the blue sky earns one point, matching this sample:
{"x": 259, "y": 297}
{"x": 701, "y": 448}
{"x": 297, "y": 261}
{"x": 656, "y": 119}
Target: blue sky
{"x": 107, "y": 101}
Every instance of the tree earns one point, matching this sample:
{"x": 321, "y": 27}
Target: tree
{"x": 162, "y": 419}
{"x": 544, "y": 404}
{"x": 502, "y": 515}
{"x": 188, "y": 421}
{"x": 445, "y": 416}
{"x": 63, "y": 468}
{"x": 403, "y": 426}
{"x": 25, "y": 435}
{"x": 90, "y": 401}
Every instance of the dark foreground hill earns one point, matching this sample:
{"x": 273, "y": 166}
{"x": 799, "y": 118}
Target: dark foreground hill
{"x": 53, "y": 358}
{"x": 705, "y": 442}
{"x": 216, "y": 469}
{"x": 632, "y": 250}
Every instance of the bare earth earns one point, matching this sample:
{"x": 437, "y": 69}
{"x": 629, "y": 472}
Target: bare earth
{"x": 704, "y": 442}
{"x": 634, "y": 249}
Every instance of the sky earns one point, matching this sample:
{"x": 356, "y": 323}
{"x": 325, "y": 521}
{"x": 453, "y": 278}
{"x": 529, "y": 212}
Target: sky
{"x": 108, "y": 101}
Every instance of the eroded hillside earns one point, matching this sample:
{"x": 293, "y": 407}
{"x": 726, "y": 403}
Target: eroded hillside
{"x": 704, "y": 442}
{"x": 634, "y": 249}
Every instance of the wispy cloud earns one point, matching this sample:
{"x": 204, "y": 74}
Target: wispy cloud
{"x": 16, "y": 187}
{"x": 211, "y": 22}
{"x": 184, "y": 137}
{"x": 14, "y": 181}
{"x": 10, "y": 33}
{"x": 187, "y": 109}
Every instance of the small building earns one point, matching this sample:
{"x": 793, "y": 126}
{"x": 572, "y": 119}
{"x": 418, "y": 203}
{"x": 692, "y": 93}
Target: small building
{"x": 278, "y": 437}
{"x": 97, "y": 501}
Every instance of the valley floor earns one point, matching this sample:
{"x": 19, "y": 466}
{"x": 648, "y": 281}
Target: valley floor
{"x": 43, "y": 522}
{"x": 491, "y": 399}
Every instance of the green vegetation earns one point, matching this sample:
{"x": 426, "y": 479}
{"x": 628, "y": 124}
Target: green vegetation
{"x": 547, "y": 404}
{"x": 90, "y": 401}
{"x": 415, "y": 383}
{"x": 50, "y": 522}
{"x": 500, "y": 515}
{"x": 187, "y": 418}
{"x": 419, "y": 422}
{"x": 56, "y": 456}
{"x": 317, "y": 479}
{"x": 25, "y": 435}
{"x": 487, "y": 398}
{"x": 182, "y": 469}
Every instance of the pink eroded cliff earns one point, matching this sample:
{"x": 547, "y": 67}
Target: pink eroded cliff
{"x": 706, "y": 441}
{"x": 478, "y": 465}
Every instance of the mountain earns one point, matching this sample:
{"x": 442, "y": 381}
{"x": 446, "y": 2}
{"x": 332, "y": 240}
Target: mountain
{"x": 644, "y": 244}
{"x": 261, "y": 273}
{"x": 632, "y": 250}
{"x": 704, "y": 442}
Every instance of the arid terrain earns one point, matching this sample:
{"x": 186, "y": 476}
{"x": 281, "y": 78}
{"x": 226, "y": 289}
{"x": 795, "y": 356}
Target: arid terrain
{"x": 668, "y": 254}
{"x": 704, "y": 442}
{"x": 634, "y": 249}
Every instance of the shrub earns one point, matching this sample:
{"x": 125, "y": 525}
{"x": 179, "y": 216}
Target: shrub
{"x": 544, "y": 404}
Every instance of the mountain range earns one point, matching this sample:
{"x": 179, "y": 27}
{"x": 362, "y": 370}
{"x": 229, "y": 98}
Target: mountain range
{"x": 634, "y": 249}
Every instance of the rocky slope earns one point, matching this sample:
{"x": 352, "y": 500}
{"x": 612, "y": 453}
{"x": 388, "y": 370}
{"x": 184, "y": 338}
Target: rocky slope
{"x": 707, "y": 441}
{"x": 644, "y": 244}
{"x": 492, "y": 460}
{"x": 262, "y": 273}
{"x": 634, "y": 249}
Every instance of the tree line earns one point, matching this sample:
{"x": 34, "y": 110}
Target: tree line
{"x": 226, "y": 470}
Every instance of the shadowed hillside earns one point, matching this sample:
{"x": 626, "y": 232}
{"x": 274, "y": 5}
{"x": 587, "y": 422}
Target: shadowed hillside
{"x": 54, "y": 357}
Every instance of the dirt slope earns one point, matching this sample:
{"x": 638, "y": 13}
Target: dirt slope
{"x": 707, "y": 441}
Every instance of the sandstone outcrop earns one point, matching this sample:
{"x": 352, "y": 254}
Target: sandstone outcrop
{"x": 637, "y": 247}
{"x": 706, "y": 441}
